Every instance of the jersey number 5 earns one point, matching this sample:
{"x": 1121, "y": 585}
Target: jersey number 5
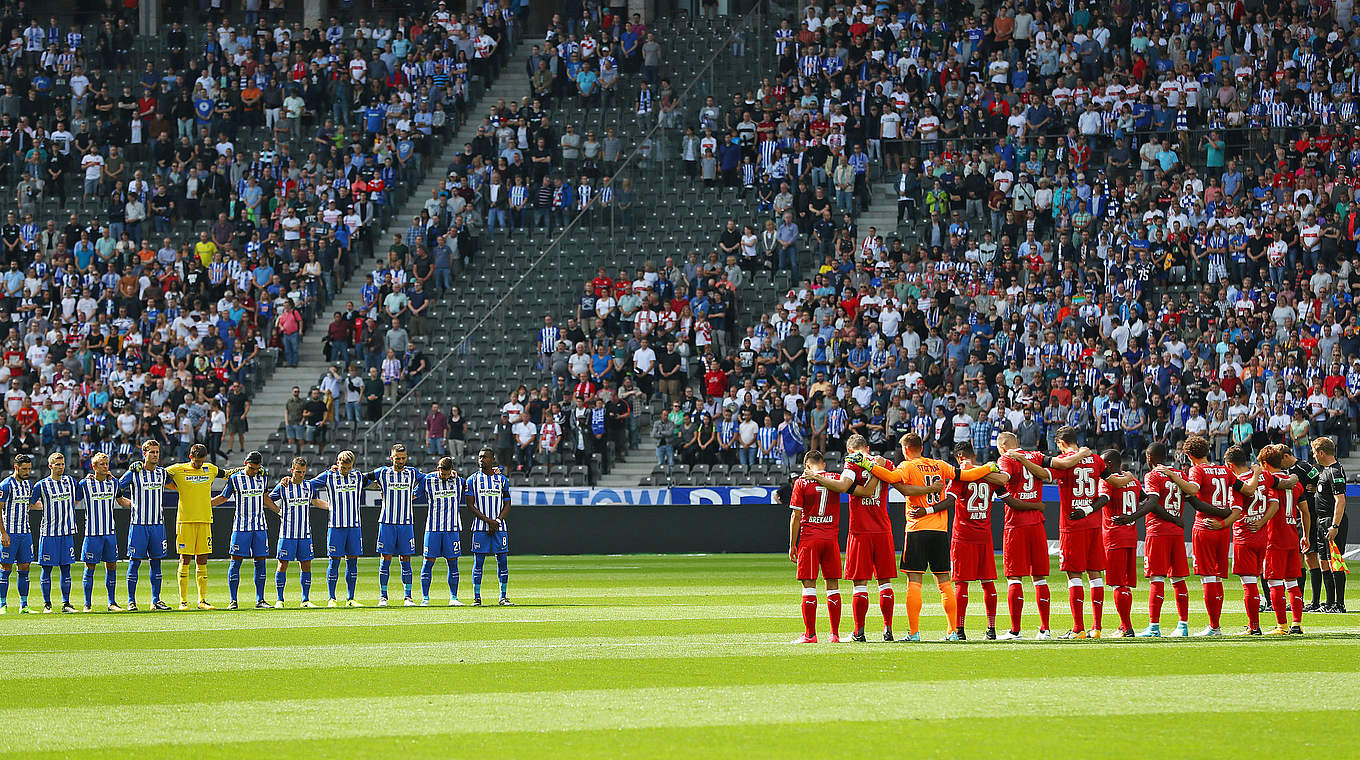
{"x": 1085, "y": 485}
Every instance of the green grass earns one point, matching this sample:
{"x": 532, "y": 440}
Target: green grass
{"x": 647, "y": 656}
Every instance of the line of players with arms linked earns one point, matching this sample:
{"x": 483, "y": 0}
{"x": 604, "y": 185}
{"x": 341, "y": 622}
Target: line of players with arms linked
{"x": 1261, "y": 512}
{"x": 339, "y": 490}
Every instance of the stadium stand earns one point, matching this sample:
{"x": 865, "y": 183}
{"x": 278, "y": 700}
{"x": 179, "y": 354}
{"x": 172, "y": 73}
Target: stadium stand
{"x": 473, "y": 355}
{"x": 1139, "y": 220}
{"x": 186, "y": 205}
{"x": 1141, "y": 225}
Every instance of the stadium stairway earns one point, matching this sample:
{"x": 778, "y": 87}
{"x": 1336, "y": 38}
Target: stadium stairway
{"x": 640, "y": 462}
{"x": 268, "y": 408}
{"x": 882, "y": 213}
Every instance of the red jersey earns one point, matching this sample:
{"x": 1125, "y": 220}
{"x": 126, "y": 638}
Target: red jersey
{"x": 819, "y": 507}
{"x": 1024, "y": 486}
{"x": 1253, "y": 510}
{"x": 972, "y": 510}
{"x": 1217, "y": 485}
{"x": 868, "y": 515}
{"x": 1123, "y": 501}
{"x": 1078, "y": 487}
{"x": 1283, "y": 530}
{"x": 1171, "y": 499}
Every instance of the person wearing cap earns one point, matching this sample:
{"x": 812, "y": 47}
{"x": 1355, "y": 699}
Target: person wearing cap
{"x": 247, "y": 489}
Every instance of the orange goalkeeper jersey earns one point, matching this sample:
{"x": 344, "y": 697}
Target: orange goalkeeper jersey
{"x": 924, "y": 471}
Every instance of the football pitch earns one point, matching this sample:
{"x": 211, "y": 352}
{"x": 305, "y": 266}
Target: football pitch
{"x": 652, "y": 656}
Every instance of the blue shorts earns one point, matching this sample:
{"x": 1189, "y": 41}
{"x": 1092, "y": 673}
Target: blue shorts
{"x": 396, "y": 540}
{"x": 249, "y": 543}
{"x": 56, "y": 550}
{"x": 344, "y": 542}
{"x": 490, "y": 543}
{"x": 442, "y": 543}
{"x": 299, "y": 549}
{"x": 147, "y": 542}
{"x": 19, "y": 551}
{"x": 99, "y": 549}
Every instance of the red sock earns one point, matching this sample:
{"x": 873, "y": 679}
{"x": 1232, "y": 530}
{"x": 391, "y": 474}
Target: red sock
{"x": 1296, "y": 604}
{"x": 1041, "y": 597}
{"x": 1155, "y": 598}
{"x": 1182, "y": 600}
{"x": 859, "y": 607}
{"x": 1097, "y": 605}
{"x": 886, "y": 602}
{"x": 961, "y": 601}
{"x": 1123, "y": 604}
{"x": 1213, "y": 601}
{"x": 1076, "y": 600}
{"x": 1277, "y": 601}
{"x": 989, "y": 601}
{"x": 1015, "y": 603}
{"x": 810, "y": 612}
{"x": 833, "y": 608}
{"x": 1251, "y": 599}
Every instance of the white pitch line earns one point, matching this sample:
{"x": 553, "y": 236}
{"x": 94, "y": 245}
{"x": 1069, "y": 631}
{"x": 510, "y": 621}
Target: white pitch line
{"x": 566, "y": 612}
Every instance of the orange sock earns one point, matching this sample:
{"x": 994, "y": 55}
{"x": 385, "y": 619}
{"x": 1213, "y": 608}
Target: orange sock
{"x": 950, "y": 604}
{"x": 914, "y": 606}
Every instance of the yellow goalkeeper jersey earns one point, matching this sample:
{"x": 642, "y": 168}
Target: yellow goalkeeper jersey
{"x": 195, "y": 490}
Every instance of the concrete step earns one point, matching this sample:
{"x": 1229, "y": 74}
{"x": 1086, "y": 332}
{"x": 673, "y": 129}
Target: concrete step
{"x": 267, "y": 410}
{"x": 640, "y": 461}
{"x": 631, "y": 472}
{"x": 882, "y": 214}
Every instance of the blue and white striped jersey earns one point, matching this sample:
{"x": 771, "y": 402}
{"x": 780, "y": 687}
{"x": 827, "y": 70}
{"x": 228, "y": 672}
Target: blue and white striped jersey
{"x": 58, "y": 497}
{"x": 490, "y": 494}
{"x": 16, "y": 495}
{"x": 247, "y": 493}
{"x": 295, "y": 509}
{"x": 398, "y": 488}
{"x": 767, "y": 438}
{"x": 146, "y": 486}
{"x": 98, "y": 496}
{"x": 444, "y": 498}
{"x": 345, "y": 493}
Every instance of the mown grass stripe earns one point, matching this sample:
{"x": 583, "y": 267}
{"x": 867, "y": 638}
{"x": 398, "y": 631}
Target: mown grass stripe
{"x": 189, "y": 723}
{"x": 15, "y": 665}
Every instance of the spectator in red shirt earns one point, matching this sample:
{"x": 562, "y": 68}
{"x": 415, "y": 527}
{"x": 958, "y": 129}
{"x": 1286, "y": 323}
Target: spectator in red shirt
{"x": 715, "y": 381}
{"x": 27, "y": 416}
{"x": 1230, "y": 383}
{"x": 602, "y": 284}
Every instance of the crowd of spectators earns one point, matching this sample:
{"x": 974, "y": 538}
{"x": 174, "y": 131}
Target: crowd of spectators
{"x": 185, "y": 206}
{"x": 1136, "y": 219}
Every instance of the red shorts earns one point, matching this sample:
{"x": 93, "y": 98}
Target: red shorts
{"x": 870, "y": 555}
{"x": 972, "y": 560}
{"x": 1282, "y": 565}
{"x": 1081, "y": 551}
{"x": 1164, "y": 556}
{"x": 1248, "y": 560}
{"x": 1210, "y": 550}
{"x": 819, "y": 554}
{"x": 1121, "y": 567}
{"x": 1024, "y": 551}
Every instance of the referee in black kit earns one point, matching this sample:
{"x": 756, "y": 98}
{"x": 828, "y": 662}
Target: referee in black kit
{"x": 1329, "y": 506}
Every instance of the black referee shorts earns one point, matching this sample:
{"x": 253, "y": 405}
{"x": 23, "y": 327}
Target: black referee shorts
{"x": 927, "y": 551}
{"x": 1319, "y": 537}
